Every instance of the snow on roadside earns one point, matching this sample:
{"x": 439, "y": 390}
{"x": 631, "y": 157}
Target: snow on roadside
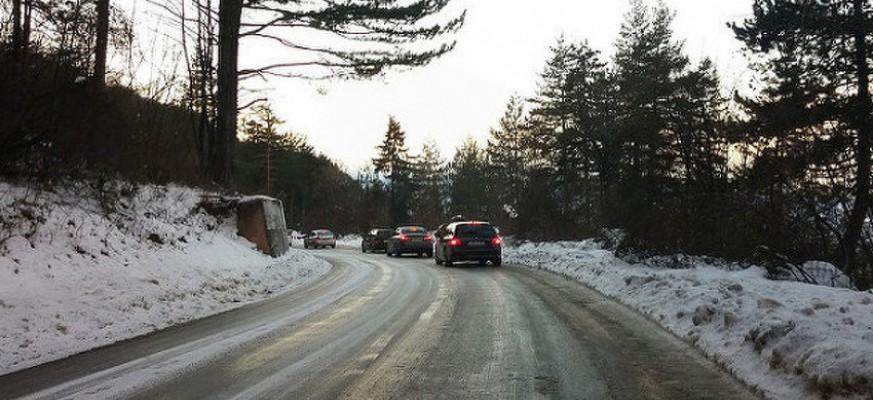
{"x": 790, "y": 340}
{"x": 349, "y": 242}
{"x": 93, "y": 263}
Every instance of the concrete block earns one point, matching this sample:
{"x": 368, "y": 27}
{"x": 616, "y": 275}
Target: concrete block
{"x": 261, "y": 220}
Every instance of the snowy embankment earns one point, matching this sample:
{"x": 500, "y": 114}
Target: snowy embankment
{"x": 790, "y": 340}
{"x": 89, "y": 264}
{"x": 349, "y": 242}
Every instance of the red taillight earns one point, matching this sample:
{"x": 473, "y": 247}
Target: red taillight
{"x": 404, "y": 238}
{"x": 428, "y": 238}
{"x": 454, "y": 242}
{"x": 497, "y": 241}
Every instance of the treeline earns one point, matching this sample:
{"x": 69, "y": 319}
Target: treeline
{"x": 84, "y": 96}
{"x": 646, "y": 142}
{"x": 55, "y": 57}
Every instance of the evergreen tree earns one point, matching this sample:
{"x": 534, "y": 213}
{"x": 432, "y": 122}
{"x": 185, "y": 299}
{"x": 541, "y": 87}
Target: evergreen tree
{"x": 430, "y": 175}
{"x": 509, "y": 158}
{"x": 815, "y": 110}
{"x": 261, "y": 129}
{"x": 360, "y": 40}
{"x": 467, "y": 193}
{"x": 393, "y": 163}
{"x": 571, "y": 117}
{"x": 648, "y": 63}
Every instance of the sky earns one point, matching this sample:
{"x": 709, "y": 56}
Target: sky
{"x": 501, "y": 50}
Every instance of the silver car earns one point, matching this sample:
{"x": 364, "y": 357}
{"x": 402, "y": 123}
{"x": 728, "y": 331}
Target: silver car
{"x": 320, "y": 238}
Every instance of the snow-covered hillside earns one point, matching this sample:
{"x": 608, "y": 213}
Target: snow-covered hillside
{"x": 788, "y": 339}
{"x": 89, "y": 264}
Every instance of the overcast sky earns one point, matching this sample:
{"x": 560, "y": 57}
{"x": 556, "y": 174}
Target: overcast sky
{"x": 500, "y": 52}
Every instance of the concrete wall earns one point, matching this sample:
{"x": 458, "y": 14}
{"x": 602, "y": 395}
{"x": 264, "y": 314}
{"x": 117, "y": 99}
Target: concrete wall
{"x": 261, "y": 220}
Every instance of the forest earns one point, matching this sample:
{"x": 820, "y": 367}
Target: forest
{"x": 642, "y": 147}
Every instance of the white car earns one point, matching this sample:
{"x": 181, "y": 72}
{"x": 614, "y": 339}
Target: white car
{"x": 320, "y": 238}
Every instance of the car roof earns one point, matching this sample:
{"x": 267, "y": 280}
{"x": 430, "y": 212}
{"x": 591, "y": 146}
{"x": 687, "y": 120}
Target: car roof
{"x": 454, "y": 224}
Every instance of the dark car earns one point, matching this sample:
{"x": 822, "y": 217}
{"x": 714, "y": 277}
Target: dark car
{"x": 320, "y": 238}
{"x": 410, "y": 240}
{"x": 374, "y": 240}
{"x": 468, "y": 241}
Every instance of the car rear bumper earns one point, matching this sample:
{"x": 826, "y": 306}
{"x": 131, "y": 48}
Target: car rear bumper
{"x": 376, "y": 246}
{"x": 461, "y": 254}
{"x": 414, "y": 247}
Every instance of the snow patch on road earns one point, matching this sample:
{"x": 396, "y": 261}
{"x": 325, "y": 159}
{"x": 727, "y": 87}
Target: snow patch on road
{"x": 788, "y": 339}
{"x": 93, "y": 263}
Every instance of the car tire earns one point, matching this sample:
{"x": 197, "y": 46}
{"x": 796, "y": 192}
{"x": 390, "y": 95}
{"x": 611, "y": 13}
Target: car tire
{"x": 429, "y": 255}
{"x": 497, "y": 262}
{"x": 437, "y": 261}
{"x": 482, "y": 262}
{"x": 449, "y": 263}
{"x": 333, "y": 247}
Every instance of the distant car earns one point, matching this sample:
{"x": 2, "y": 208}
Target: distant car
{"x": 468, "y": 241}
{"x": 410, "y": 240}
{"x": 374, "y": 240}
{"x": 320, "y": 238}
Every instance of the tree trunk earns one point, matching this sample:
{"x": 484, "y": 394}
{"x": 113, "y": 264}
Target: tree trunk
{"x": 863, "y": 107}
{"x": 102, "y": 43}
{"x": 229, "y": 15}
{"x": 26, "y": 26}
{"x": 17, "y": 33}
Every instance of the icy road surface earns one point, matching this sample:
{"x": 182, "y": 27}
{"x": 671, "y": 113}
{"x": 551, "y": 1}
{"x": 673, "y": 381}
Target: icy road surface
{"x": 378, "y": 327}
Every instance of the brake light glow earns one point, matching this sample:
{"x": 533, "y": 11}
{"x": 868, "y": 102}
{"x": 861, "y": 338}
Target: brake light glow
{"x": 404, "y": 238}
{"x": 497, "y": 241}
{"x": 454, "y": 242}
{"x": 428, "y": 238}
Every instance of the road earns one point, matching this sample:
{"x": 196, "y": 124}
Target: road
{"x": 382, "y": 328}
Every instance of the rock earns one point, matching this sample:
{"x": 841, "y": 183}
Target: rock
{"x": 736, "y": 287}
{"x": 703, "y": 315}
{"x": 730, "y": 319}
{"x": 768, "y": 304}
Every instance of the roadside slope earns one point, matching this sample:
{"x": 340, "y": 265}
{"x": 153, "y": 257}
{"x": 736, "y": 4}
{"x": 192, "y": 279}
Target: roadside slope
{"x": 790, "y": 340}
{"x": 91, "y": 263}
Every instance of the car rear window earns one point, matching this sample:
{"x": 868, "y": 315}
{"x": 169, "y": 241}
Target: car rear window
{"x": 413, "y": 229}
{"x": 479, "y": 230}
{"x": 325, "y": 235}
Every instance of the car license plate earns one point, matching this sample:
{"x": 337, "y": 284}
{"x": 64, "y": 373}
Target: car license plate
{"x": 476, "y": 244}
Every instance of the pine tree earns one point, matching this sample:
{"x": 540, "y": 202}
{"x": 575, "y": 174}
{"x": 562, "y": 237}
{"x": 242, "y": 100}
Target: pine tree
{"x": 816, "y": 109}
{"x": 648, "y": 63}
{"x": 393, "y": 163}
{"x": 571, "y": 117}
{"x": 263, "y": 129}
{"x": 467, "y": 194}
{"x": 361, "y": 40}
{"x": 430, "y": 175}
{"x": 509, "y": 158}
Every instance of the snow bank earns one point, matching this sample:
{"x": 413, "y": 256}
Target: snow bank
{"x": 790, "y": 340}
{"x": 349, "y": 242}
{"x": 94, "y": 263}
